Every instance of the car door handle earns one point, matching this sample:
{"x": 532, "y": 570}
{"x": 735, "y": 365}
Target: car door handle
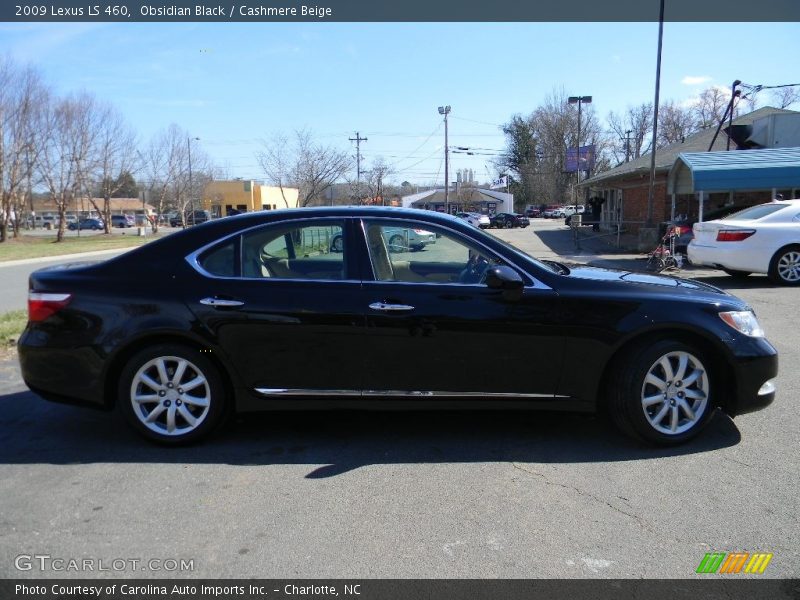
{"x": 221, "y": 302}
{"x": 382, "y": 306}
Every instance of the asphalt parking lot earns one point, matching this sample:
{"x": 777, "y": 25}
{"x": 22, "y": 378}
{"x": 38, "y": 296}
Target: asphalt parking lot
{"x": 462, "y": 495}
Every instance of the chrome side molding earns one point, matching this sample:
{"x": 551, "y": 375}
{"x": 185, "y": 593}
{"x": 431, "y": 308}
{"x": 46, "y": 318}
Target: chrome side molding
{"x": 397, "y": 393}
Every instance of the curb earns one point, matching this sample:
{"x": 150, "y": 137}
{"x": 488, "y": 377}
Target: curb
{"x": 64, "y": 257}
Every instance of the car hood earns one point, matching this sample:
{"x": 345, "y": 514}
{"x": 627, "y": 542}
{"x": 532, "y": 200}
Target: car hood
{"x": 658, "y": 283}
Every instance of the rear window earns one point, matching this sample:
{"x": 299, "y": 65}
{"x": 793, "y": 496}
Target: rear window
{"x": 220, "y": 261}
{"x": 755, "y": 212}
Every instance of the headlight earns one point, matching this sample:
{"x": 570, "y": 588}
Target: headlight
{"x": 743, "y": 321}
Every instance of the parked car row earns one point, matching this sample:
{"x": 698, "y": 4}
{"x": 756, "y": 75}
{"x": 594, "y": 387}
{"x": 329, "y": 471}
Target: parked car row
{"x": 192, "y": 217}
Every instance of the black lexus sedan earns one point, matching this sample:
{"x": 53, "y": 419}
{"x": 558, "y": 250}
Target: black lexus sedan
{"x": 259, "y": 311}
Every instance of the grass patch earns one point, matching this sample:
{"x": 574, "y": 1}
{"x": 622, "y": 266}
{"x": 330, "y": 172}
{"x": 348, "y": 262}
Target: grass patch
{"x": 29, "y": 246}
{"x": 11, "y": 325}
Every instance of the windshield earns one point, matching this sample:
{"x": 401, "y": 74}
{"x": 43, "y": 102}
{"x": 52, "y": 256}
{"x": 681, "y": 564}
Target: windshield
{"x": 755, "y": 212}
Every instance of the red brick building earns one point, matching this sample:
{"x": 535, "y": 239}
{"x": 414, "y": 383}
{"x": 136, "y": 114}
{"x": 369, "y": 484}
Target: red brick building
{"x": 625, "y": 188}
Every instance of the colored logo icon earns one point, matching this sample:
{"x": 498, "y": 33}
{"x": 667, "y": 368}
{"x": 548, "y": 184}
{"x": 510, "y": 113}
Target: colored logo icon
{"x": 734, "y": 562}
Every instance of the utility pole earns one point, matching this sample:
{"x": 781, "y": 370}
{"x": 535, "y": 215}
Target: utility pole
{"x": 191, "y": 189}
{"x": 627, "y": 145}
{"x": 445, "y": 110}
{"x": 358, "y": 139}
{"x": 651, "y": 191}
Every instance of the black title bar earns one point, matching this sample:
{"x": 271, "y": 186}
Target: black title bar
{"x": 708, "y": 588}
{"x": 401, "y": 10}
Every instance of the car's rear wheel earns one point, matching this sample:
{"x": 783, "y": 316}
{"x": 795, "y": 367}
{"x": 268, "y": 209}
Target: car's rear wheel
{"x": 171, "y": 394}
{"x": 661, "y": 393}
{"x": 397, "y": 243}
{"x": 784, "y": 268}
{"x": 737, "y": 274}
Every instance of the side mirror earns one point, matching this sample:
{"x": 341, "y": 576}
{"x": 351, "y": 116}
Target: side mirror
{"x": 505, "y": 278}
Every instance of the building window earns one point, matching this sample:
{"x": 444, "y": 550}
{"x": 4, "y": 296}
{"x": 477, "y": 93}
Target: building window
{"x": 265, "y": 207}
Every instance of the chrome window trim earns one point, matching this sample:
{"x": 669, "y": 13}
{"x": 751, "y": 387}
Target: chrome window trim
{"x": 194, "y": 262}
{"x": 193, "y": 257}
{"x": 536, "y": 283}
{"x": 397, "y": 393}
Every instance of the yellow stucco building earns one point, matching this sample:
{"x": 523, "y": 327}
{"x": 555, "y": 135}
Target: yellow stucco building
{"x": 224, "y": 198}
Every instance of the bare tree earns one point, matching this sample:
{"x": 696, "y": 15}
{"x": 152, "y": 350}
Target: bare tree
{"x": 786, "y": 96}
{"x": 164, "y": 161}
{"x": 21, "y": 97}
{"x": 710, "y": 107}
{"x": 374, "y": 181}
{"x": 115, "y": 154}
{"x": 638, "y": 120}
{"x": 555, "y": 127}
{"x": 65, "y": 159}
{"x": 304, "y": 164}
{"x": 675, "y": 123}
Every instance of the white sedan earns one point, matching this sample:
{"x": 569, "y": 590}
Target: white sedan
{"x": 476, "y": 219}
{"x": 760, "y": 239}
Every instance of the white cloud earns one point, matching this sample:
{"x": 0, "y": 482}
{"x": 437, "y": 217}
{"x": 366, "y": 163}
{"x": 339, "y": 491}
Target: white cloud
{"x": 695, "y": 79}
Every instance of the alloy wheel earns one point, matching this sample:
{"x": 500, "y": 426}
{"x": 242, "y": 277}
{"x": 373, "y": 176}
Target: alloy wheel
{"x": 170, "y": 395}
{"x": 789, "y": 266}
{"x": 675, "y": 393}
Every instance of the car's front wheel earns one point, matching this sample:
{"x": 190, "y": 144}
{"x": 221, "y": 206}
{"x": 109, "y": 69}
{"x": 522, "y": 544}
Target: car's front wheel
{"x": 171, "y": 394}
{"x": 784, "y": 268}
{"x": 661, "y": 393}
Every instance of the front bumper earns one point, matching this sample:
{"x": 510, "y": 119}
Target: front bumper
{"x": 752, "y": 386}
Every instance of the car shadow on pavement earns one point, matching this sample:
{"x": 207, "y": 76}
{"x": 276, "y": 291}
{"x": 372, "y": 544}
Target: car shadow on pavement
{"x": 728, "y": 283}
{"x": 33, "y": 431}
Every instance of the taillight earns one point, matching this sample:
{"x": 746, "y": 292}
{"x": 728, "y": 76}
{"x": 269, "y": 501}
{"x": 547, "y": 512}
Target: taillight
{"x": 734, "y": 235}
{"x": 42, "y": 305}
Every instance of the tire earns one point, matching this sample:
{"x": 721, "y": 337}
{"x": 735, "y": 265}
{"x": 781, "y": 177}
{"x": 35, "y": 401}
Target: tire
{"x": 650, "y": 403}
{"x": 655, "y": 264}
{"x": 204, "y": 403}
{"x": 737, "y": 274}
{"x": 784, "y": 268}
{"x": 670, "y": 262}
{"x": 509, "y": 224}
{"x": 397, "y": 243}
{"x": 337, "y": 244}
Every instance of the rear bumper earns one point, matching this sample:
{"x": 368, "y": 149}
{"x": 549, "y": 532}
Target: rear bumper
{"x": 714, "y": 256}
{"x": 66, "y": 375}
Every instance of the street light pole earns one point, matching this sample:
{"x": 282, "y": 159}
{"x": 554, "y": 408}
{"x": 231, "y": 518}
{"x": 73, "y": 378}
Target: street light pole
{"x": 579, "y": 100}
{"x": 445, "y": 110}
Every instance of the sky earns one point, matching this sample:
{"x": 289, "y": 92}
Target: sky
{"x": 238, "y": 85}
